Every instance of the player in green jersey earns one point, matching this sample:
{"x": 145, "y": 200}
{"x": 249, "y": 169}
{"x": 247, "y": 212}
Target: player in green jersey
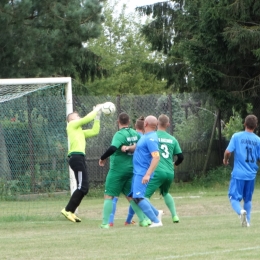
{"x": 139, "y": 127}
{"x": 120, "y": 174}
{"x": 164, "y": 173}
{"x": 76, "y": 154}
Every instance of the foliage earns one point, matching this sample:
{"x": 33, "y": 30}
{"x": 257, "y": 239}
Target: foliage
{"x": 234, "y": 125}
{"x": 214, "y": 178}
{"x": 211, "y": 46}
{"x": 44, "y": 38}
{"x": 124, "y": 53}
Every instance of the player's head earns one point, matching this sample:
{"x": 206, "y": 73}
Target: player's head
{"x": 73, "y": 116}
{"x": 139, "y": 124}
{"x": 150, "y": 123}
{"x": 163, "y": 121}
{"x": 123, "y": 119}
{"x": 251, "y": 122}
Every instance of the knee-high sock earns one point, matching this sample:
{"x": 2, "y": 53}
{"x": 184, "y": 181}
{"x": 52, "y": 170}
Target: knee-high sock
{"x": 130, "y": 215}
{"x": 236, "y": 206}
{"x": 155, "y": 211}
{"x": 248, "y": 207}
{"x": 112, "y": 215}
{"x": 147, "y": 209}
{"x": 107, "y": 209}
{"x": 169, "y": 201}
{"x": 75, "y": 200}
{"x": 137, "y": 211}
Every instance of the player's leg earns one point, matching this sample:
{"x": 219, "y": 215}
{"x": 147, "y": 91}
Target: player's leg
{"x": 139, "y": 190}
{"x": 112, "y": 215}
{"x": 235, "y": 194}
{"x": 247, "y": 197}
{"x": 168, "y": 199}
{"x": 130, "y": 216}
{"x": 128, "y": 191}
{"x": 112, "y": 189}
{"x": 78, "y": 165}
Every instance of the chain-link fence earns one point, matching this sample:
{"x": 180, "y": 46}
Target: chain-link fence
{"x": 33, "y": 141}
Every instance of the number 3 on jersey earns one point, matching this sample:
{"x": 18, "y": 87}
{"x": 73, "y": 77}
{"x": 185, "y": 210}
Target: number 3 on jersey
{"x": 165, "y": 153}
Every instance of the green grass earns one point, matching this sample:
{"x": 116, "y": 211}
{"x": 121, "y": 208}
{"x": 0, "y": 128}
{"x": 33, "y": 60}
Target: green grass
{"x": 208, "y": 229}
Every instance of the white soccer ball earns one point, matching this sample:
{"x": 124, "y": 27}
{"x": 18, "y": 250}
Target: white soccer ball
{"x": 108, "y": 108}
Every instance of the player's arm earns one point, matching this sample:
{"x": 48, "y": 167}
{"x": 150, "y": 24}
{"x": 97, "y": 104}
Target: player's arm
{"x": 227, "y": 155}
{"x": 154, "y": 162}
{"x": 179, "y": 160}
{"x": 94, "y": 130}
{"x": 128, "y": 148}
{"x": 106, "y": 154}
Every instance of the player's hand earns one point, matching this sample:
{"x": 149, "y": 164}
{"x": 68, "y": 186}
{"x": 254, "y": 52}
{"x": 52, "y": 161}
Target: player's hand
{"x": 145, "y": 179}
{"x": 124, "y": 148}
{"x": 102, "y": 162}
{"x": 225, "y": 162}
{"x": 98, "y": 107}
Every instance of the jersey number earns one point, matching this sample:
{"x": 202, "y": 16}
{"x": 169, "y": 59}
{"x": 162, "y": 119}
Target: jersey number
{"x": 249, "y": 154}
{"x": 165, "y": 153}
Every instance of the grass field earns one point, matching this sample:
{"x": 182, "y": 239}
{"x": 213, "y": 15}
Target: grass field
{"x": 208, "y": 229}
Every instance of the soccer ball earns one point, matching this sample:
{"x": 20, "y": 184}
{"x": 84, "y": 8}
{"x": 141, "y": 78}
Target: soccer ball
{"x": 108, "y": 108}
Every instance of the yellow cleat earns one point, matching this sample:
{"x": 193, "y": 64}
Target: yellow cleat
{"x": 68, "y": 215}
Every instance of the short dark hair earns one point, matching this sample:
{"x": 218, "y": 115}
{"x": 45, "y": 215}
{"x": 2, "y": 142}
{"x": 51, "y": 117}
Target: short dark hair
{"x": 251, "y": 122}
{"x": 139, "y": 123}
{"x": 163, "y": 120}
{"x": 123, "y": 118}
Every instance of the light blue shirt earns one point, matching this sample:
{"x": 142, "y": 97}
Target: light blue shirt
{"x": 246, "y": 148}
{"x": 142, "y": 155}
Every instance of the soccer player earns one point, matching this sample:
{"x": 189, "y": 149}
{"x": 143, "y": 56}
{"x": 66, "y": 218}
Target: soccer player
{"x": 164, "y": 174}
{"x": 76, "y": 154}
{"x": 146, "y": 159}
{"x": 139, "y": 127}
{"x": 246, "y": 148}
{"x": 120, "y": 174}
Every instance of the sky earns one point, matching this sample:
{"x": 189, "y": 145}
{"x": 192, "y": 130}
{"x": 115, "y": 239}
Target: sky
{"x": 132, "y": 4}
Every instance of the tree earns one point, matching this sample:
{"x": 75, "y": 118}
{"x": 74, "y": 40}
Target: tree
{"x": 211, "y": 46}
{"x": 44, "y": 38}
{"x": 124, "y": 53}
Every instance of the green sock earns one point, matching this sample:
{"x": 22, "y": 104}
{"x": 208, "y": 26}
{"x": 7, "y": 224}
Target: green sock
{"x": 137, "y": 211}
{"x": 169, "y": 201}
{"x": 107, "y": 209}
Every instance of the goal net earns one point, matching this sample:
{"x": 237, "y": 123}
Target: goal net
{"x": 33, "y": 144}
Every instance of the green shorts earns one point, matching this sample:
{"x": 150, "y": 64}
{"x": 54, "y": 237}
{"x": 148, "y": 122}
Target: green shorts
{"x": 160, "y": 180}
{"x": 118, "y": 182}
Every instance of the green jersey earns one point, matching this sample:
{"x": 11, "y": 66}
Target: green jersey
{"x": 77, "y": 136}
{"x": 168, "y": 146}
{"x": 121, "y": 161}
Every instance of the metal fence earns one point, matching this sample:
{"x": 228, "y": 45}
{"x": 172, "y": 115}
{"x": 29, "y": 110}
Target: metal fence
{"x": 33, "y": 141}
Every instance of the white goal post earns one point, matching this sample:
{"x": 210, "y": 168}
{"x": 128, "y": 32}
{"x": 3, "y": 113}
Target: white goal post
{"x": 40, "y": 82}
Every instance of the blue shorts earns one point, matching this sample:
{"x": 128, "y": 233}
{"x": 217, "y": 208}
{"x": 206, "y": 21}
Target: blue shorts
{"x": 241, "y": 189}
{"x": 138, "y": 188}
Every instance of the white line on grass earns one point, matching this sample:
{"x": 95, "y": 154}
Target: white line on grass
{"x": 208, "y": 253}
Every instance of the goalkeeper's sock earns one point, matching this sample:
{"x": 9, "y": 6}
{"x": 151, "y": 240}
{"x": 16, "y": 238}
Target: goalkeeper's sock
{"x": 169, "y": 201}
{"x": 130, "y": 215}
{"x": 137, "y": 210}
{"x": 146, "y": 207}
{"x": 107, "y": 209}
{"x": 112, "y": 215}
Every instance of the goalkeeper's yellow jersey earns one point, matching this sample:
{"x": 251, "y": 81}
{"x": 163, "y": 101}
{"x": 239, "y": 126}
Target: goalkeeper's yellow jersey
{"x": 77, "y": 136}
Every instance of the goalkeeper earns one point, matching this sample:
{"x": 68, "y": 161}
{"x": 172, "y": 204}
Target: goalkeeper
{"x": 76, "y": 154}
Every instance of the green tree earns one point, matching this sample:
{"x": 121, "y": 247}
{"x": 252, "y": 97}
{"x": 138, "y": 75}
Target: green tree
{"x": 124, "y": 53}
{"x": 211, "y": 46}
{"x": 44, "y": 38}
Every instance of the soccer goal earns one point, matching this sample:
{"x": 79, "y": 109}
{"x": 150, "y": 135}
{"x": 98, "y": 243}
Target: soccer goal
{"x": 33, "y": 140}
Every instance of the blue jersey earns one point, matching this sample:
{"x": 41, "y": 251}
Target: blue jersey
{"x": 246, "y": 148}
{"x": 142, "y": 155}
